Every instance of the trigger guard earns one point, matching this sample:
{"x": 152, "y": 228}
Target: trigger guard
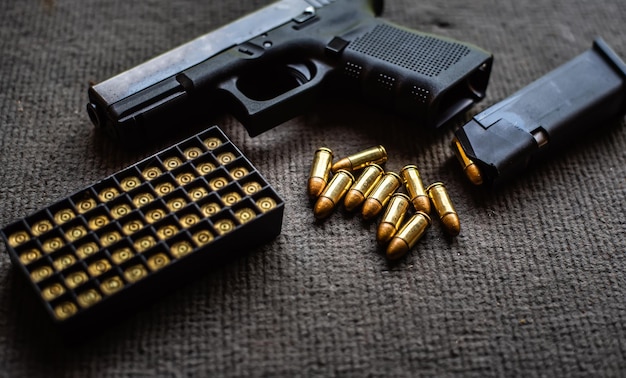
{"x": 271, "y": 82}
{"x": 259, "y": 111}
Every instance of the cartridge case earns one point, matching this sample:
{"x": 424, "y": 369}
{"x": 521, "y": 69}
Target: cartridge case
{"x": 266, "y": 204}
{"x": 415, "y": 188}
{"x": 41, "y": 227}
{"x": 445, "y": 210}
{"x": 63, "y": 215}
{"x": 393, "y": 217}
{"x": 332, "y": 194}
{"x": 363, "y": 186}
{"x": 372, "y": 155}
{"x": 381, "y": 194}
{"x": 408, "y": 235}
{"x": 320, "y": 171}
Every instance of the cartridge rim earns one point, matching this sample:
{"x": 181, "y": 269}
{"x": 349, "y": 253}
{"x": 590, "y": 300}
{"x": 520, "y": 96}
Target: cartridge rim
{"x": 76, "y": 279}
{"x": 434, "y": 184}
{"x": 212, "y": 142}
{"x": 172, "y": 162}
{"x": 42, "y": 227}
{"x": 18, "y": 238}
{"x": 65, "y": 310}
{"x": 325, "y": 149}
{"x": 192, "y": 152}
{"x": 64, "y": 215}
{"x": 202, "y": 237}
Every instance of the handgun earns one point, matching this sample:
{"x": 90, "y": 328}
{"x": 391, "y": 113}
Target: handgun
{"x": 272, "y": 65}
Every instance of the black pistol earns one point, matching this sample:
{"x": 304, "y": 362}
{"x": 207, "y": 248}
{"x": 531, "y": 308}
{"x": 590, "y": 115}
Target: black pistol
{"x": 271, "y": 65}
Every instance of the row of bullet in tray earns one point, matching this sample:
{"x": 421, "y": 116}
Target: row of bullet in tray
{"x": 376, "y": 192}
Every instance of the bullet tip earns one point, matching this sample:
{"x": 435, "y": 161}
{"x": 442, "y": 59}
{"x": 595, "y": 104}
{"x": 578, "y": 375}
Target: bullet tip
{"x": 385, "y": 232}
{"x": 353, "y": 199}
{"x": 473, "y": 174}
{"x": 451, "y": 224}
{"x": 342, "y": 164}
{"x": 371, "y": 208}
{"x": 316, "y": 186}
{"x": 396, "y": 249}
{"x": 323, "y": 208}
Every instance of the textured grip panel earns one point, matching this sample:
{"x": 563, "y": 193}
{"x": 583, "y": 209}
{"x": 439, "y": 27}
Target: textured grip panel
{"x": 420, "y": 53}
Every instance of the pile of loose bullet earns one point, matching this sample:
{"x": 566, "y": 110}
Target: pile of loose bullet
{"x": 377, "y": 191}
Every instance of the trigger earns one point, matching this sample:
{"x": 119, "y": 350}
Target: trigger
{"x": 300, "y": 72}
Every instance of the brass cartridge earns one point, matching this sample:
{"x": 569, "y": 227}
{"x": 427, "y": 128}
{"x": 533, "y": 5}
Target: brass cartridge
{"x": 129, "y": 183}
{"x": 470, "y": 169}
{"x": 18, "y": 238}
{"x": 393, "y": 217}
{"x": 381, "y": 194}
{"x": 333, "y": 193}
{"x": 226, "y": 158}
{"x": 320, "y": 171}
{"x": 76, "y": 279}
{"x": 41, "y": 227}
{"x": 150, "y": 173}
{"x": 408, "y": 235}
{"x": 64, "y": 215}
{"x": 53, "y": 291}
{"x": 415, "y": 187}
{"x": 99, "y": 267}
{"x": 210, "y": 208}
{"x": 192, "y": 152}
{"x": 52, "y": 245}
{"x": 85, "y": 205}
{"x": 88, "y": 298}
{"x": 167, "y": 231}
{"x": 75, "y": 233}
{"x": 65, "y": 310}
{"x": 372, "y": 155}
{"x": 443, "y": 205}
{"x": 108, "y": 194}
{"x": 29, "y": 256}
{"x": 98, "y": 222}
{"x": 251, "y": 187}
{"x": 172, "y": 162}
{"x": 135, "y": 273}
{"x": 266, "y": 204}
{"x": 245, "y": 215}
{"x": 120, "y": 210}
{"x": 202, "y": 237}
{"x": 224, "y": 226}
{"x": 181, "y": 249}
{"x": 363, "y": 186}
{"x": 111, "y": 285}
{"x": 238, "y": 173}
{"x": 42, "y": 273}
{"x": 121, "y": 255}
{"x": 205, "y": 168}
{"x": 86, "y": 250}
{"x": 212, "y": 143}
{"x": 158, "y": 261}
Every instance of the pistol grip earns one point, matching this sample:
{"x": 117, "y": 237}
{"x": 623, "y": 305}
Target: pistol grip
{"x": 430, "y": 79}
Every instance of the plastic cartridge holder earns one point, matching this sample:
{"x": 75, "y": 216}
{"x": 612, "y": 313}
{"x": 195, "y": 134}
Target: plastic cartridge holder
{"x": 143, "y": 230}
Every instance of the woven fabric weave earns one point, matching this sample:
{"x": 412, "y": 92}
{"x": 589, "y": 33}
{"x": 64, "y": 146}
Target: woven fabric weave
{"x": 533, "y": 286}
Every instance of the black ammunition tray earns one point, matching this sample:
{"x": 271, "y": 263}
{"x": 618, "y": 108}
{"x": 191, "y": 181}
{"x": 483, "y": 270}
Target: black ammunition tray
{"x": 143, "y": 230}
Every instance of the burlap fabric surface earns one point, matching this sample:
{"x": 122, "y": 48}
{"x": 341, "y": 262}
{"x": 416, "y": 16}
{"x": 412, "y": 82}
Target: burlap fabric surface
{"x": 533, "y": 286}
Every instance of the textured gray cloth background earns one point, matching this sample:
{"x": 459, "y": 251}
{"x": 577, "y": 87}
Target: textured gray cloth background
{"x": 533, "y": 286}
